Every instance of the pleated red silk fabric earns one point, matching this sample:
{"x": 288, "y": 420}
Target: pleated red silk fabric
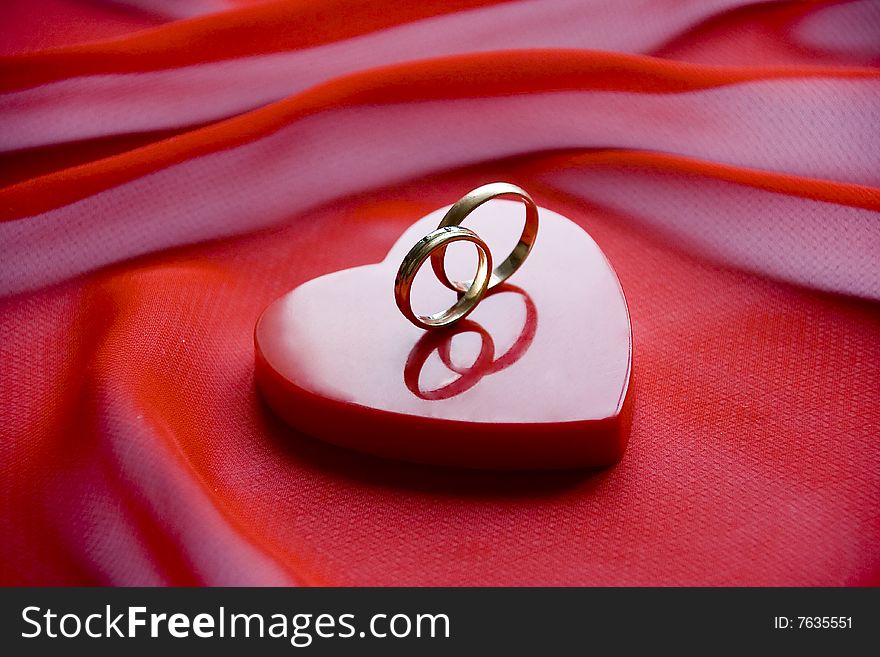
{"x": 170, "y": 168}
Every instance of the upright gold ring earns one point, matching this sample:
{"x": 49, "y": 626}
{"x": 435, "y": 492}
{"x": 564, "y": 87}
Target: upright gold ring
{"x": 470, "y": 202}
{"x": 468, "y": 298}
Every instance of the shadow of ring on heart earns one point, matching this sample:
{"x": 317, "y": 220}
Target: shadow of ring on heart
{"x": 485, "y": 363}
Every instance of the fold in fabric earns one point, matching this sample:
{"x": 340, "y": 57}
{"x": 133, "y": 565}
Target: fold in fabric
{"x": 54, "y": 97}
{"x": 360, "y": 133}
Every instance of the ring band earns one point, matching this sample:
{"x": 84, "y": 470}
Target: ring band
{"x": 424, "y": 248}
{"x": 470, "y": 202}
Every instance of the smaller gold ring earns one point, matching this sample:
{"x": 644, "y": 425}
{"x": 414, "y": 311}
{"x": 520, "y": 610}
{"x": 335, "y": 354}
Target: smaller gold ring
{"x": 467, "y": 300}
{"x": 470, "y": 202}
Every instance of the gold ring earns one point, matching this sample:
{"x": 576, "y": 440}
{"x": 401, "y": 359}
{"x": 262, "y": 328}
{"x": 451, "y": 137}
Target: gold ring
{"x": 469, "y": 297}
{"x": 470, "y": 202}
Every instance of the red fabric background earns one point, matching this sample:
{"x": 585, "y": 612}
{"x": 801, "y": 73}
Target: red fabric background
{"x": 156, "y": 198}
